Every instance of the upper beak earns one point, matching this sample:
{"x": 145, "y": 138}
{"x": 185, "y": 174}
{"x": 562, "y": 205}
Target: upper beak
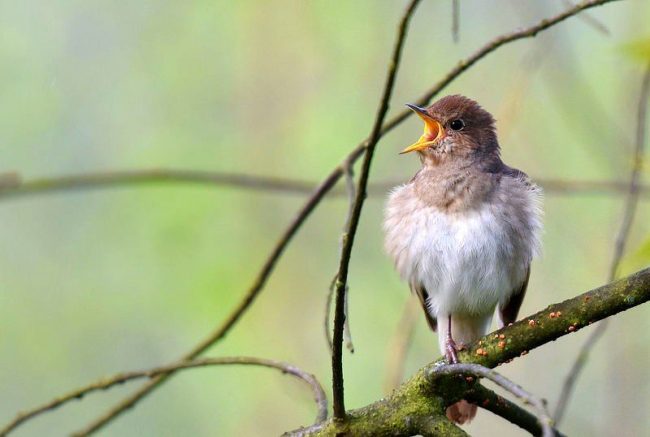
{"x": 433, "y": 131}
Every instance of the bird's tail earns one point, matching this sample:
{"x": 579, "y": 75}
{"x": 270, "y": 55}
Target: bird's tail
{"x": 461, "y": 412}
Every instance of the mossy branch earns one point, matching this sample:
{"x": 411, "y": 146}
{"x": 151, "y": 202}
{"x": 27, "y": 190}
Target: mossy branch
{"x": 418, "y": 405}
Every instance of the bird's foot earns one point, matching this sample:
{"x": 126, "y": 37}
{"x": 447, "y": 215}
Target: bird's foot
{"x": 451, "y": 351}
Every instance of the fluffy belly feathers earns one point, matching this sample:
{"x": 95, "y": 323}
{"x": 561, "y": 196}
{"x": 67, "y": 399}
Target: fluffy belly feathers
{"x": 468, "y": 262}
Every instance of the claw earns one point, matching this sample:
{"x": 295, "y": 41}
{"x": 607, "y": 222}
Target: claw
{"x": 450, "y": 346}
{"x": 451, "y": 355}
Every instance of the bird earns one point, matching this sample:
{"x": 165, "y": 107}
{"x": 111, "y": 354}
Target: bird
{"x": 463, "y": 231}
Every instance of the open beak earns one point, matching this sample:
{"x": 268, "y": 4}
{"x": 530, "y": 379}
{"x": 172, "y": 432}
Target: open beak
{"x": 433, "y": 131}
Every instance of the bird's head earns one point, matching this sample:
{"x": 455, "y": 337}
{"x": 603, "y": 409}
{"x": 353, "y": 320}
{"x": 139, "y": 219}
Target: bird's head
{"x": 455, "y": 127}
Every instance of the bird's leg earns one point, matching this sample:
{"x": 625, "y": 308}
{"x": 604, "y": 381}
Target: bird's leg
{"x": 450, "y": 345}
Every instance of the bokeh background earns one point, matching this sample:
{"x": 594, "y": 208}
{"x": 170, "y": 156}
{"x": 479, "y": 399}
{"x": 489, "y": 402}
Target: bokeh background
{"x": 100, "y": 281}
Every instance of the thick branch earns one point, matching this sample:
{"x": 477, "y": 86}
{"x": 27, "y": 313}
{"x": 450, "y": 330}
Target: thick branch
{"x": 502, "y": 407}
{"x": 558, "y": 320}
{"x": 428, "y": 393}
{"x": 106, "y": 383}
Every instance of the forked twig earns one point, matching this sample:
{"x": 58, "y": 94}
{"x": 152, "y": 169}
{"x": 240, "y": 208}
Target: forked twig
{"x": 528, "y": 398}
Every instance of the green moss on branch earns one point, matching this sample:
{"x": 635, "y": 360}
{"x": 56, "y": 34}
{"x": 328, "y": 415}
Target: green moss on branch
{"x": 418, "y": 405}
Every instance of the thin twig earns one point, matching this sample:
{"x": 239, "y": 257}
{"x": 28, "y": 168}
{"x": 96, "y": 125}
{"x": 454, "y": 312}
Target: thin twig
{"x": 502, "y": 407}
{"x": 320, "y": 193}
{"x": 328, "y": 312}
{"x": 619, "y": 246}
{"x": 352, "y": 194}
{"x": 12, "y": 186}
{"x": 351, "y": 230}
{"x": 350, "y": 189}
{"x": 528, "y": 398}
{"x": 347, "y": 333}
{"x": 120, "y": 378}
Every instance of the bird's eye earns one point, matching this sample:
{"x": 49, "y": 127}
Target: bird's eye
{"x": 457, "y": 124}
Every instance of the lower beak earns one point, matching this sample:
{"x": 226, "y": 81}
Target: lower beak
{"x": 433, "y": 131}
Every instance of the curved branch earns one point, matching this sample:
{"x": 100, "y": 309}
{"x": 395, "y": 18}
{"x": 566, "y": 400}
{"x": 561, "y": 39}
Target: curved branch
{"x": 320, "y": 192}
{"x": 543, "y": 418}
{"x": 502, "y": 407}
{"x": 120, "y": 378}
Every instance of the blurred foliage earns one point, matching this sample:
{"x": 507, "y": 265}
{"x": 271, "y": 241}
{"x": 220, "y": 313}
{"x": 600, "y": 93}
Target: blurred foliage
{"x": 638, "y": 259}
{"x": 638, "y": 49}
{"x": 104, "y": 281}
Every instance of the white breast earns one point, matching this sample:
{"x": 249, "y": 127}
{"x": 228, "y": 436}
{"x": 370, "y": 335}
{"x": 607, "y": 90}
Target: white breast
{"x": 468, "y": 262}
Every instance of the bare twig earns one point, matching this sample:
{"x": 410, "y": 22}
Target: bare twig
{"x": 323, "y": 189}
{"x": 619, "y": 246}
{"x": 528, "y": 398}
{"x": 513, "y": 413}
{"x": 347, "y": 333}
{"x": 12, "y": 186}
{"x": 350, "y": 231}
{"x": 351, "y": 189}
{"x": 348, "y": 171}
{"x": 120, "y": 378}
{"x": 328, "y": 312}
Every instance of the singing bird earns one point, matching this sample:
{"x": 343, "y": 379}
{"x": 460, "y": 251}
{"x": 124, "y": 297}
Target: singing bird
{"x": 463, "y": 231}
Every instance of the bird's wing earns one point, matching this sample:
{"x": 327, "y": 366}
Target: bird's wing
{"x": 510, "y": 309}
{"x": 423, "y": 295}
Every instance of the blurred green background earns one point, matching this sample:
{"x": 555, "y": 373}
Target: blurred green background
{"x": 102, "y": 281}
